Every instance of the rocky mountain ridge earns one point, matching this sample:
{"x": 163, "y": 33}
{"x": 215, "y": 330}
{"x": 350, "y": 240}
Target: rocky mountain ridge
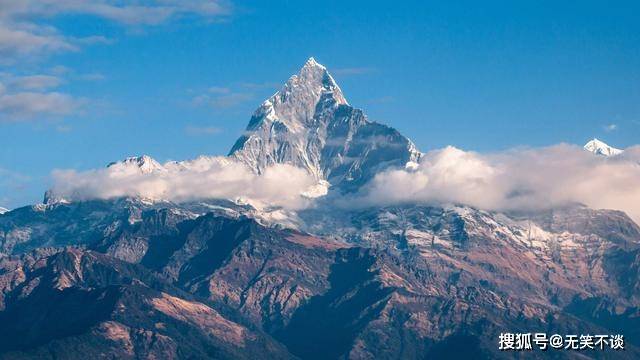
{"x": 397, "y": 280}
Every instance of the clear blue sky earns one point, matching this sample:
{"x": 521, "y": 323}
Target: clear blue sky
{"x": 179, "y": 82}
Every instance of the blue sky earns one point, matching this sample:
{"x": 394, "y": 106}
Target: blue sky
{"x": 84, "y": 85}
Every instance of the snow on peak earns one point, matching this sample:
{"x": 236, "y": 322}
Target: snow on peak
{"x": 145, "y": 164}
{"x": 310, "y": 125}
{"x": 3, "y": 210}
{"x": 600, "y": 148}
{"x": 311, "y": 62}
{"x": 295, "y": 104}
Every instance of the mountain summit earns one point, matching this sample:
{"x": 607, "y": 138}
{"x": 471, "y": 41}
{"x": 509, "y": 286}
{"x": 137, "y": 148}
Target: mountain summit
{"x": 600, "y": 148}
{"x": 310, "y": 124}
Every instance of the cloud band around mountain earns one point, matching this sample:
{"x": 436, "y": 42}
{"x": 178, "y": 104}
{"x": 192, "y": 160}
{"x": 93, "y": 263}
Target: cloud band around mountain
{"x": 514, "y": 180}
{"x": 521, "y": 179}
{"x": 204, "y": 178}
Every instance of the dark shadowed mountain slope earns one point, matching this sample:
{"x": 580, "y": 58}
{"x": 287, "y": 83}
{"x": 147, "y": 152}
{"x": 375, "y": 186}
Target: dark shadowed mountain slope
{"x": 79, "y": 304}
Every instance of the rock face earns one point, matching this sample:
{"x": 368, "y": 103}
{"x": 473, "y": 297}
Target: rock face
{"x": 81, "y": 304}
{"x": 129, "y": 278}
{"x": 309, "y": 124}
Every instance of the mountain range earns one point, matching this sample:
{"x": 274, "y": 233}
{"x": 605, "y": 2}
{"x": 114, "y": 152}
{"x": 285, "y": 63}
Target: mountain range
{"x": 132, "y": 277}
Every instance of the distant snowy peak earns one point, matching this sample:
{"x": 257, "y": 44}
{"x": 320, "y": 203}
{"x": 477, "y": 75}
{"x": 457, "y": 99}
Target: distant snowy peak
{"x": 145, "y": 164}
{"x": 3, "y": 210}
{"x": 600, "y": 148}
{"x": 310, "y": 124}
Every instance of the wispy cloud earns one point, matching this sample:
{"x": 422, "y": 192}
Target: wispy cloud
{"x": 36, "y": 82}
{"x": 33, "y": 97}
{"x": 258, "y": 86}
{"x": 223, "y": 97}
{"x": 218, "y": 90}
{"x": 24, "y": 32}
{"x": 382, "y": 100}
{"x": 28, "y": 33}
{"x": 11, "y": 183}
{"x": 610, "y": 127}
{"x": 92, "y": 77}
{"x": 202, "y": 130}
{"x": 222, "y": 100}
{"x": 64, "y": 128}
{"x": 28, "y": 41}
{"x": 353, "y": 71}
{"x": 28, "y": 105}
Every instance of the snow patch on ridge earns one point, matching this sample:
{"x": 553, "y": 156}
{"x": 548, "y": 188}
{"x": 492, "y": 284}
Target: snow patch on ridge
{"x": 600, "y": 148}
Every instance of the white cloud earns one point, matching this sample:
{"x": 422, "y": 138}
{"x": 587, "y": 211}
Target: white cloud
{"x": 219, "y": 90}
{"x": 222, "y": 97}
{"x": 92, "y": 77}
{"x": 202, "y": 178}
{"x": 11, "y": 185}
{"x": 24, "y": 40}
{"x": 353, "y": 71}
{"x": 130, "y": 13}
{"x": 23, "y": 32}
{"x": 36, "y": 82}
{"x": 529, "y": 179}
{"x": 257, "y": 86}
{"x": 202, "y": 130}
{"x": 31, "y": 97}
{"x": 521, "y": 179}
{"x": 610, "y": 127}
{"x": 22, "y": 106}
{"x": 222, "y": 100}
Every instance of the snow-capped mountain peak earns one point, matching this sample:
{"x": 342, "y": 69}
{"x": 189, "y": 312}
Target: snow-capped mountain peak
{"x": 145, "y": 163}
{"x": 600, "y": 148}
{"x": 294, "y": 105}
{"x": 309, "y": 124}
{"x": 3, "y": 210}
